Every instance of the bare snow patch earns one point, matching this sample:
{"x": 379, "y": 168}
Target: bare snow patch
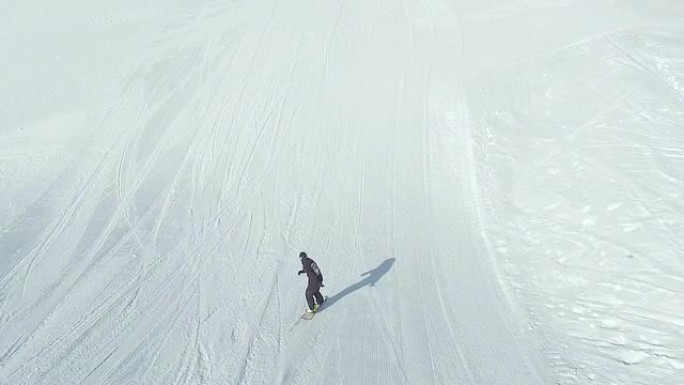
{"x": 583, "y": 168}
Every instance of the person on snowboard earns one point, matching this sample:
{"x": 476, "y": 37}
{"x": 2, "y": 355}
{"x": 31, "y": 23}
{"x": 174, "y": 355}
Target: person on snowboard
{"x": 313, "y": 289}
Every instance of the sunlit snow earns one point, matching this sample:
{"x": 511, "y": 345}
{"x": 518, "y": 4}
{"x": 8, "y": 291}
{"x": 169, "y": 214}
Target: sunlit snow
{"x": 494, "y": 191}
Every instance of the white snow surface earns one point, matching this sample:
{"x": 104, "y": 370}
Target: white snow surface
{"x": 494, "y": 191}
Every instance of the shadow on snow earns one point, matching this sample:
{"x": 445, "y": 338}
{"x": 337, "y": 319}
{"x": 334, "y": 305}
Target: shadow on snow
{"x": 372, "y": 277}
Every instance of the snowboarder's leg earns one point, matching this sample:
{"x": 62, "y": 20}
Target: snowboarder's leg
{"x": 319, "y": 297}
{"x": 310, "y": 297}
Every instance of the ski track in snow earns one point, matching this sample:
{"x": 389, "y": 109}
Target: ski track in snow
{"x": 595, "y": 257}
{"x": 154, "y": 227}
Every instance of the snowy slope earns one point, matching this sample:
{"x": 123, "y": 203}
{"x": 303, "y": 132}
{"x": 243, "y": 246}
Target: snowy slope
{"x": 471, "y": 176}
{"x": 583, "y": 159}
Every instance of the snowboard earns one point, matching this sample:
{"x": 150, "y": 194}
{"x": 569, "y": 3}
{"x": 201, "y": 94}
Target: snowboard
{"x": 309, "y": 316}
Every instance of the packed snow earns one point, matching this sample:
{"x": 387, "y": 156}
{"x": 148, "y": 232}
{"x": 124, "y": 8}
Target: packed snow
{"x": 494, "y": 191}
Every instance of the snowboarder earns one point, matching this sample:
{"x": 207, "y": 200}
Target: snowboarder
{"x": 313, "y": 290}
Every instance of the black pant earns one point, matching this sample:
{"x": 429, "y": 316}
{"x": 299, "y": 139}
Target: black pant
{"x": 313, "y": 291}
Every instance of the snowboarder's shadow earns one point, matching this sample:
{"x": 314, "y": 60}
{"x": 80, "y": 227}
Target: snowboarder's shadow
{"x": 372, "y": 277}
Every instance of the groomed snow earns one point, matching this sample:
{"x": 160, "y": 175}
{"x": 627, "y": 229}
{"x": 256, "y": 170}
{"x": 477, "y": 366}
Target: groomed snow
{"x": 494, "y": 191}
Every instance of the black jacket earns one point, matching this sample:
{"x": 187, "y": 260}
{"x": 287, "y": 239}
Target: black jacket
{"x": 312, "y": 271}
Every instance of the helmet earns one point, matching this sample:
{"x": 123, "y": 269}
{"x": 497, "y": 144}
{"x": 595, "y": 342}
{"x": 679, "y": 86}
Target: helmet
{"x": 302, "y": 255}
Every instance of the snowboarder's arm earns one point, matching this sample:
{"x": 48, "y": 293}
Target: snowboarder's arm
{"x": 312, "y": 271}
{"x": 308, "y": 269}
{"x": 316, "y": 272}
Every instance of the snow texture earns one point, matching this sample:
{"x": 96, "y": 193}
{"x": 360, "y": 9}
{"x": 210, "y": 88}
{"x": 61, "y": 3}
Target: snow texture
{"x": 494, "y": 191}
